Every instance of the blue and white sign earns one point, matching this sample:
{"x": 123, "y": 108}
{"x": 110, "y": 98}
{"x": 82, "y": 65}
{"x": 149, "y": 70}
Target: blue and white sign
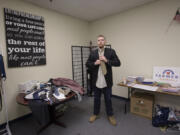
{"x": 166, "y": 74}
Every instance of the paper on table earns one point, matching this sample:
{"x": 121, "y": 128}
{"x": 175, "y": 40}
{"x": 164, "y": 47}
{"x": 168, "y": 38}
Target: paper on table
{"x": 145, "y": 87}
{"x": 130, "y": 84}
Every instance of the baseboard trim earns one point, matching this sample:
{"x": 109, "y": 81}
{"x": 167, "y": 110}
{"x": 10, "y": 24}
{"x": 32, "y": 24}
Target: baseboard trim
{"x": 119, "y": 97}
{"x": 17, "y": 119}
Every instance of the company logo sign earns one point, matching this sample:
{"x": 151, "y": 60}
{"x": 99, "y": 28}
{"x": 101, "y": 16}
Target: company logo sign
{"x": 166, "y": 74}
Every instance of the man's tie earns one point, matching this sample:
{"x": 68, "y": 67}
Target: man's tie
{"x": 103, "y": 66}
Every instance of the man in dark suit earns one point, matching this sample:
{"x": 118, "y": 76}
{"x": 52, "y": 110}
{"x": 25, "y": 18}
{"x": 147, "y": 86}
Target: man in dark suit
{"x": 100, "y": 62}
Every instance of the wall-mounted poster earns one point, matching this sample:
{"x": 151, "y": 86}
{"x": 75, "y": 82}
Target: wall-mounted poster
{"x": 24, "y": 39}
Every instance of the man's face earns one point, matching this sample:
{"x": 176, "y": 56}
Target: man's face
{"x": 101, "y": 42}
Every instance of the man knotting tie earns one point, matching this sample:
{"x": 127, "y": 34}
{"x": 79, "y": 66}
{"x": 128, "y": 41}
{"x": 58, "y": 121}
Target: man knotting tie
{"x": 100, "y": 62}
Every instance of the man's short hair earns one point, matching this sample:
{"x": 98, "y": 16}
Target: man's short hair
{"x": 101, "y": 36}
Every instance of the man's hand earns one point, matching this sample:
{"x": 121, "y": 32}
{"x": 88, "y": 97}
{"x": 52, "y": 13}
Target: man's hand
{"x": 102, "y": 58}
{"x": 97, "y": 62}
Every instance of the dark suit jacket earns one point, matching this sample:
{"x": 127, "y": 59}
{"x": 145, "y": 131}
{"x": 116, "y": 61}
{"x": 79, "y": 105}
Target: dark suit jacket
{"x": 113, "y": 60}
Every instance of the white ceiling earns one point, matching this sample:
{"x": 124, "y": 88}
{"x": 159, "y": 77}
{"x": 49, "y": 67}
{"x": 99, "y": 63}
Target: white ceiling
{"x": 89, "y": 10}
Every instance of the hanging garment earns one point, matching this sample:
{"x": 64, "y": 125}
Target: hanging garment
{"x": 2, "y": 69}
{"x": 40, "y": 111}
{"x": 0, "y": 96}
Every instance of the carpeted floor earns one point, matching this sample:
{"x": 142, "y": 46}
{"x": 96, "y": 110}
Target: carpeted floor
{"x": 76, "y": 118}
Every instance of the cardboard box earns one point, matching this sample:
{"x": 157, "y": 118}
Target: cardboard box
{"x": 142, "y": 104}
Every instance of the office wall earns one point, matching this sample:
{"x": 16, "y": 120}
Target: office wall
{"x": 60, "y": 33}
{"x": 143, "y": 38}
{"x": 140, "y": 36}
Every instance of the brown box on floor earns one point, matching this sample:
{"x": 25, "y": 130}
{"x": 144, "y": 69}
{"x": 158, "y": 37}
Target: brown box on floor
{"x": 142, "y": 104}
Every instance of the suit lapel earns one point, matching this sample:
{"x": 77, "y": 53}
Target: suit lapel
{"x": 97, "y": 54}
{"x": 105, "y": 52}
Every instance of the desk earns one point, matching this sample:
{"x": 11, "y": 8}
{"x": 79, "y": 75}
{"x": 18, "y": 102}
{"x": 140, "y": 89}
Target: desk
{"x": 159, "y": 90}
{"x": 21, "y": 100}
{"x": 131, "y": 89}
